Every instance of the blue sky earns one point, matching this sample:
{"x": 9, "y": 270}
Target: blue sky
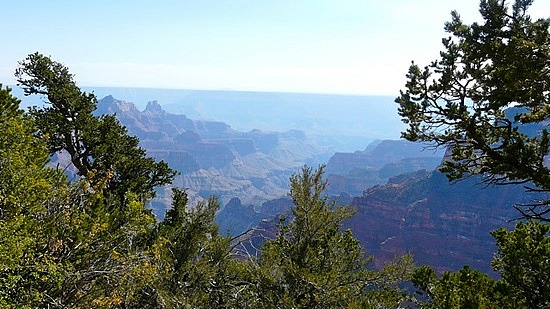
{"x": 347, "y": 47}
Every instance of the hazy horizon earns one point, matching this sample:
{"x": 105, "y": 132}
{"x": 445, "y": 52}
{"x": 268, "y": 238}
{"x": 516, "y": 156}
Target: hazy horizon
{"x": 313, "y": 46}
{"x": 345, "y": 122}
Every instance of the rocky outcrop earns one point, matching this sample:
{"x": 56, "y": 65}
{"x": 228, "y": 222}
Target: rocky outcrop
{"x": 443, "y": 225}
{"x": 353, "y": 172}
{"x": 237, "y": 218}
{"x": 213, "y": 158}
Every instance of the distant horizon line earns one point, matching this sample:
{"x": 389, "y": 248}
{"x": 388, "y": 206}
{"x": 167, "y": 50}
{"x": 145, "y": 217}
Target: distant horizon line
{"x": 244, "y": 91}
{"x": 234, "y": 90}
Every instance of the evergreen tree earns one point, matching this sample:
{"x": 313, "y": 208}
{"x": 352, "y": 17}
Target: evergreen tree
{"x": 466, "y": 288}
{"x": 523, "y": 260}
{"x": 463, "y": 100}
{"x": 312, "y": 263}
{"x": 190, "y": 252}
{"x": 481, "y": 99}
{"x": 99, "y": 233}
{"x": 99, "y": 147}
{"x": 27, "y": 192}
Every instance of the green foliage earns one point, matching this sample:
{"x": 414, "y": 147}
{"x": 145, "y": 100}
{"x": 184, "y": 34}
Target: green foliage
{"x": 466, "y": 288}
{"x": 460, "y": 99}
{"x": 195, "y": 259}
{"x": 99, "y": 147}
{"x": 70, "y": 245}
{"x": 312, "y": 263}
{"x": 25, "y": 182}
{"x": 27, "y": 189}
{"x": 523, "y": 260}
{"x": 92, "y": 243}
{"x": 105, "y": 253}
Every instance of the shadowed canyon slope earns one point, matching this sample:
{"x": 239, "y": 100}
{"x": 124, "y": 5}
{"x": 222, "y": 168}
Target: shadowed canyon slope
{"x": 445, "y": 225}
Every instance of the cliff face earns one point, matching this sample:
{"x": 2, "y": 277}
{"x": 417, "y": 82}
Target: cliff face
{"x": 237, "y": 218}
{"x": 213, "y": 158}
{"x": 353, "y": 172}
{"x": 443, "y": 225}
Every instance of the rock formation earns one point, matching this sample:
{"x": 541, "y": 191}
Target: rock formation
{"x": 213, "y": 158}
{"x": 353, "y": 172}
{"x": 444, "y": 225}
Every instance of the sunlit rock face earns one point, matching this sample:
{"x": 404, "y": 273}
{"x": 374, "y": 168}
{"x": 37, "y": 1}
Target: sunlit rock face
{"x": 213, "y": 158}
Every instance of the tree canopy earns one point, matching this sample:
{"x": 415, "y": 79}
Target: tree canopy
{"x": 28, "y": 191}
{"x": 99, "y": 146}
{"x": 489, "y": 84}
{"x": 522, "y": 262}
{"x": 487, "y": 99}
{"x": 313, "y": 263}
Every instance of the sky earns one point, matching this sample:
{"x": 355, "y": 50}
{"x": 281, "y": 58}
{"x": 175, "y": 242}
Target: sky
{"x": 321, "y": 46}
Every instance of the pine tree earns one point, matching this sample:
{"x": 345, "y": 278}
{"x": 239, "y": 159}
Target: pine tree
{"x": 99, "y": 146}
{"x": 28, "y": 189}
{"x": 313, "y": 263}
{"x": 490, "y": 82}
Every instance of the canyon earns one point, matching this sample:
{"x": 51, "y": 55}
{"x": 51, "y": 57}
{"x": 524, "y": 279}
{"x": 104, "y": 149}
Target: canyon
{"x": 401, "y": 203}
